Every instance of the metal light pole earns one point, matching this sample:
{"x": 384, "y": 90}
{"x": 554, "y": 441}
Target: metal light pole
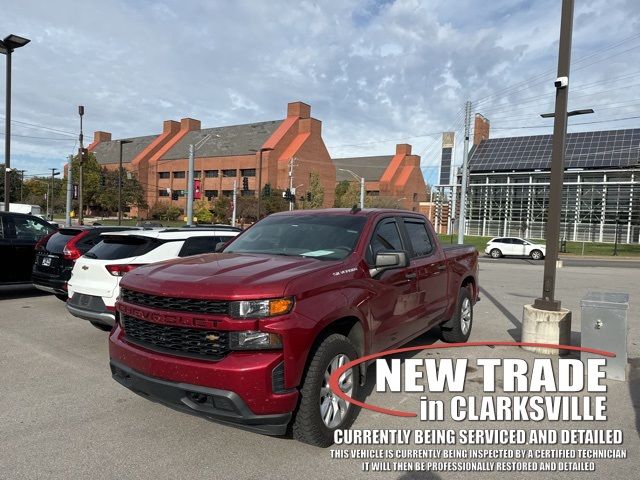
{"x": 615, "y": 245}
{"x": 80, "y": 171}
{"x": 121, "y": 142}
{"x": 67, "y": 216}
{"x": 362, "y": 186}
{"x": 7, "y": 46}
{"x": 548, "y": 301}
{"x": 234, "y": 200}
{"x": 465, "y": 174}
{"x": 190, "y": 179}
{"x": 54, "y": 173}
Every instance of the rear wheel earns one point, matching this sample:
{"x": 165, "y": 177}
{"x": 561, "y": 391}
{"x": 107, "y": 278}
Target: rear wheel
{"x": 536, "y": 254}
{"x": 495, "y": 253}
{"x": 458, "y": 328}
{"x": 61, "y": 296}
{"x": 101, "y": 326}
{"x": 320, "y": 411}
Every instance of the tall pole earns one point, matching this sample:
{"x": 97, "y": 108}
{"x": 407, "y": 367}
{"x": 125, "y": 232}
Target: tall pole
{"x": 259, "y": 189}
{"x": 21, "y": 183}
{"x": 465, "y": 174}
{"x": 7, "y": 135}
{"x": 50, "y": 194}
{"x": 81, "y": 161}
{"x": 67, "y": 216}
{"x": 120, "y": 183}
{"x": 234, "y": 200}
{"x": 291, "y": 160}
{"x": 548, "y": 301}
{"x": 361, "y": 192}
{"x": 192, "y": 153}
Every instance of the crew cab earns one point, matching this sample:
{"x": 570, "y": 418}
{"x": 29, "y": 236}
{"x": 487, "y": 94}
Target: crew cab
{"x": 249, "y": 336}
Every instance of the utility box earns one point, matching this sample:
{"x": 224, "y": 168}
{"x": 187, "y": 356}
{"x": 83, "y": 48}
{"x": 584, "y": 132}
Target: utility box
{"x": 604, "y": 327}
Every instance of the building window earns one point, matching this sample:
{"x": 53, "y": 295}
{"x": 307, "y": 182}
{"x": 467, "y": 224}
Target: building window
{"x": 227, "y": 193}
{"x": 163, "y": 192}
{"x": 211, "y": 173}
{"x": 197, "y": 174}
{"x": 163, "y": 174}
{"x": 209, "y": 194}
{"x": 181, "y": 193}
{"x": 373, "y": 193}
{"x": 248, "y": 193}
{"x": 229, "y": 173}
{"x": 179, "y": 175}
{"x": 248, "y": 172}
{"x": 415, "y": 197}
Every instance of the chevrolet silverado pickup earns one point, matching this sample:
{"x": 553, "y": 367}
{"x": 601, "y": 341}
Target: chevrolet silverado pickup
{"x": 249, "y": 336}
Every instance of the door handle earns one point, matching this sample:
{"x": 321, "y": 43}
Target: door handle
{"x": 410, "y": 276}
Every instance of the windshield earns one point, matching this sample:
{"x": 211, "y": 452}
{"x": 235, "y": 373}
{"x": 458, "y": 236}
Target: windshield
{"x": 325, "y": 237}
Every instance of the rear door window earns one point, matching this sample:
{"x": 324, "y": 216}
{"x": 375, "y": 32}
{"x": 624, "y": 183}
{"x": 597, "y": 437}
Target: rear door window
{"x": 419, "y": 237}
{"x": 116, "y": 247}
{"x": 198, "y": 245}
{"x": 28, "y": 228}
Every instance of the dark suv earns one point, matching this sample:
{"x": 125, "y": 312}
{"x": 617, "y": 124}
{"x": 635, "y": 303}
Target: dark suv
{"x": 19, "y": 234}
{"x": 57, "y": 253}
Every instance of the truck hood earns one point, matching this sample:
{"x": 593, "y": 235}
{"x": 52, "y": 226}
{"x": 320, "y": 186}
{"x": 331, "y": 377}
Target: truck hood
{"x": 223, "y": 275}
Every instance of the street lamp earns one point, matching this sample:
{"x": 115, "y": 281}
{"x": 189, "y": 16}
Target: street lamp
{"x": 7, "y": 46}
{"x": 121, "y": 142}
{"x": 259, "y": 179}
{"x": 361, "y": 180}
{"x": 572, "y": 113}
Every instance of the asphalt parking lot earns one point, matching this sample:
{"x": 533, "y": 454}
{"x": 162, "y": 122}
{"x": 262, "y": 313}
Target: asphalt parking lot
{"x": 63, "y": 416}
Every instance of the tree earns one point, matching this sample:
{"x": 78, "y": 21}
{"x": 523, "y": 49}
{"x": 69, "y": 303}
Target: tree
{"x": 247, "y": 208}
{"x": 349, "y": 196}
{"x": 202, "y": 211}
{"x": 341, "y": 189}
{"x": 222, "y": 209}
{"x": 164, "y": 211}
{"x": 316, "y": 190}
{"x": 274, "y": 203}
{"x": 14, "y": 185}
{"x": 107, "y": 197}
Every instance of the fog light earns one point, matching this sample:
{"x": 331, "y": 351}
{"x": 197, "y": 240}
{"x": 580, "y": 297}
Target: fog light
{"x": 252, "y": 340}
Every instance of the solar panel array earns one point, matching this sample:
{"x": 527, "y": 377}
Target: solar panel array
{"x": 611, "y": 148}
{"x": 445, "y": 166}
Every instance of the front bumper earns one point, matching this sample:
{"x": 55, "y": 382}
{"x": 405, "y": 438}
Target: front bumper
{"x": 215, "y": 404}
{"x": 92, "y": 308}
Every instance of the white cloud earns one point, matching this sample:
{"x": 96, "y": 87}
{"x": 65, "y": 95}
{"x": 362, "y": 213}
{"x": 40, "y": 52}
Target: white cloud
{"x": 370, "y": 69}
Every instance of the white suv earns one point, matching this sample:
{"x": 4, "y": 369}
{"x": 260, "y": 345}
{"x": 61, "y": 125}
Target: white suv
{"x": 94, "y": 285}
{"x": 502, "y": 246}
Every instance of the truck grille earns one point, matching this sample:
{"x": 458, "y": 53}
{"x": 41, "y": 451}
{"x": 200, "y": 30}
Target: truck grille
{"x": 186, "y": 342}
{"x": 215, "y": 307}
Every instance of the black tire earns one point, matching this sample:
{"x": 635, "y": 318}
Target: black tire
{"x": 495, "y": 253}
{"x": 101, "y": 326}
{"x": 308, "y": 425}
{"x": 61, "y": 296}
{"x": 454, "y": 331}
{"x": 536, "y": 255}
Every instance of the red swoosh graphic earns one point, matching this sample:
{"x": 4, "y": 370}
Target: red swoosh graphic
{"x": 333, "y": 380}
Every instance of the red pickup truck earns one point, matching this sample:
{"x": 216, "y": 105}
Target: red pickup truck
{"x": 249, "y": 336}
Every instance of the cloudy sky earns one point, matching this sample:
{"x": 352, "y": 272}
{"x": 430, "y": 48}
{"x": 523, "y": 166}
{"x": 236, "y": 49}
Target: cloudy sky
{"x": 376, "y": 72}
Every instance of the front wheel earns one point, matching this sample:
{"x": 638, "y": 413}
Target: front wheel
{"x": 536, "y": 255}
{"x": 495, "y": 253}
{"x": 321, "y": 412}
{"x": 458, "y": 328}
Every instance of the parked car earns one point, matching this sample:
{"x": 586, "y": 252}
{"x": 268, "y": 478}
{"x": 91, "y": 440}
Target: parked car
{"x": 57, "y": 253}
{"x": 250, "y": 336}
{"x": 19, "y": 234}
{"x": 94, "y": 283}
{"x": 515, "y": 246}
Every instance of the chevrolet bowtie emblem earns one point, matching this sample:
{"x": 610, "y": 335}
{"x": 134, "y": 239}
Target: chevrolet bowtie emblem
{"x": 212, "y": 337}
{"x": 84, "y": 267}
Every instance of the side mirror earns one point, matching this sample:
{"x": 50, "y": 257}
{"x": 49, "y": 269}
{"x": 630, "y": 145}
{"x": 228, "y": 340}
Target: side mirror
{"x": 219, "y": 247}
{"x": 388, "y": 260}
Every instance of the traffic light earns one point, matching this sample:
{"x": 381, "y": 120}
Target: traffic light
{"x": 266, "y": 192}
{"x": 287, "y": 195}
{"x": 245, "y": 184}
{"x": 174, "y": 195}
{"x": 84, "y": 154}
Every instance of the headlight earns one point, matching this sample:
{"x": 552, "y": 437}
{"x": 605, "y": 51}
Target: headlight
{"x": 260, "y": 308}
{"x": 251, "y": 340}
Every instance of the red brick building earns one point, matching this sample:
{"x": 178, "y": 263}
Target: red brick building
{"x": 160, "y": 162}
{"x": 396, "y": 177}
